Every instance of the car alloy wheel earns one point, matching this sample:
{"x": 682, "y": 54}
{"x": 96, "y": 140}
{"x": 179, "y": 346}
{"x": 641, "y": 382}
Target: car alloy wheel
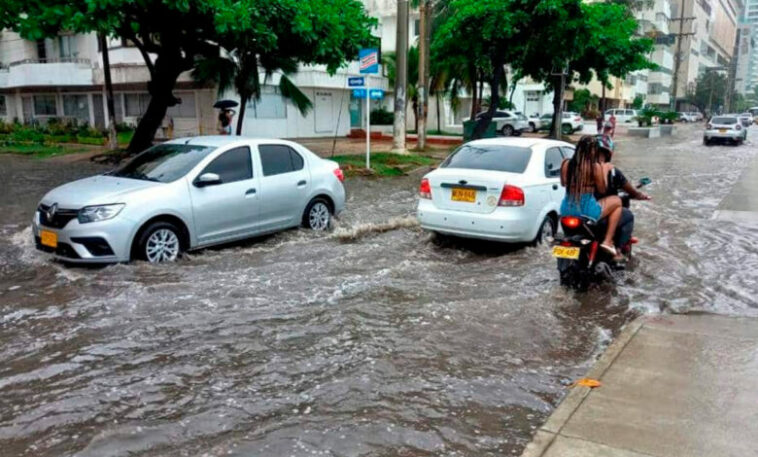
{"x": 547, "y": 229}
{"x": 507, "y": 130}
{"x": 319, "y": 216}
{"x": 162, "y": 246}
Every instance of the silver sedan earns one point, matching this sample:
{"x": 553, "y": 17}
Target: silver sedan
{"x": 187, "y": 194}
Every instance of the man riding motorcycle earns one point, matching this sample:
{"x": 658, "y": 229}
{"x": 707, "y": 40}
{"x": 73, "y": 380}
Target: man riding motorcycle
{"x": 618, "y": 182}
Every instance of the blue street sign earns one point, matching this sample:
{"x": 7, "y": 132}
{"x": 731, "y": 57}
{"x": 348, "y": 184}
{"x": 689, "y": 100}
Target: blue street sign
{"x": 359, "y": 93}
{"x": 376, "y": 94}
{"x": 369, "y": 60}
{"x": 356, "y": 81}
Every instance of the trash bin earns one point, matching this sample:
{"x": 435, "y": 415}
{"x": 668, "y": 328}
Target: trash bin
{"x": 469, "y": 126}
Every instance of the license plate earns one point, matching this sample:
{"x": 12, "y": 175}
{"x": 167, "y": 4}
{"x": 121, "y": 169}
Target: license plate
{"x": 722, "y": 130}
{"x": 48, "y": 238}
{"x": 564, "y": 252}
{"x": 463, "y": 195}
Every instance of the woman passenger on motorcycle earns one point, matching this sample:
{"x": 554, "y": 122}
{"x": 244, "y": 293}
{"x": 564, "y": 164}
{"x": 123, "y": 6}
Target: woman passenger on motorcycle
{"x": 583, "y": 176}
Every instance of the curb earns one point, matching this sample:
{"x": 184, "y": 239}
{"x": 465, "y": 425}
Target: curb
{"x": 543, "y": 439}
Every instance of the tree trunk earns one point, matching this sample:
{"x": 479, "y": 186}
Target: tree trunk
{"x": 498, "y": 78}
{"x": 161, "y": 88}
{"x": 112, "y": 134}
{"x": 437, "y": 100}
{"x": 555, "y": 132}
{"x": 423, "y": 77}
{"x": 416, "y": 118}
{"x": 401, "y": 78}
{"x": 473, "y": 77}
{"x": 241, "y": 116}
{"x": 481, "y": 93}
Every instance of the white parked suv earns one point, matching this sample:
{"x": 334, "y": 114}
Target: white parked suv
{"x": 186, "y": 194}
{"x": 508, "y": 123}
{"x": 499, "y": 189}
{"x": 687, "y": 117}
{"x": 574, "y": 120}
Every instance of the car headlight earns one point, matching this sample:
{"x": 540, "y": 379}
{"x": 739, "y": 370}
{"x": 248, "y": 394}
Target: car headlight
{"x": 99, "y": 213}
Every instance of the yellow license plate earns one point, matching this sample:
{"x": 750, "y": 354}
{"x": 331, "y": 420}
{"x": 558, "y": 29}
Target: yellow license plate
{"x": 48, "y": 238}
{"x": 463, "y": 195}
{"x": 564, "y": 252}
{"x": 722, "y": 130}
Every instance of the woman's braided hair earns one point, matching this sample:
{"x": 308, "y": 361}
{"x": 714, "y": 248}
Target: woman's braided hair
{"x": 580, "y": 167}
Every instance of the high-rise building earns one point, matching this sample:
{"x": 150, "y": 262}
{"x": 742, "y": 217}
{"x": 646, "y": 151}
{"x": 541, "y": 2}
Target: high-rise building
{"x": 749, "y": 38}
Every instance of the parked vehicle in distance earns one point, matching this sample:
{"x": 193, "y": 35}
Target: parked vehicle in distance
{"x": 508, "y": 123}
{"x": 697, "y": 115}
{"x": 746, "y": 119}
{"x": 724, "y": 129}
{"x": 534, "y": 121}
{"x": 687, "y": 117}
{"x": 623, "y": 116}
{"x": 499, "y": 189}
{"x": 187, "y": 194}
{"x": 572, "y": 122}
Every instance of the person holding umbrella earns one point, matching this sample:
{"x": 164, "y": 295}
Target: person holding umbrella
{"x": 226, "y": 116}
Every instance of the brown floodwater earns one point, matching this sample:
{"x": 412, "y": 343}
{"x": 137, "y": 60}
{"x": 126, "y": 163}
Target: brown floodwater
{"x": 373, "y": 340}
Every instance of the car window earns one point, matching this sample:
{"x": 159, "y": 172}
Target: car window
{"x": 567, "y": 152}
{"x": 231, "y": 166}
{"x": 724, "y": 120}
{"x": 277, "y": 159}
{"x": 553, "y": 159}
{"x": 494, "y": 157}
{"x": 630, "y": 112}
{"x": 546, "y": 116}
{"x": 164, "y": 163}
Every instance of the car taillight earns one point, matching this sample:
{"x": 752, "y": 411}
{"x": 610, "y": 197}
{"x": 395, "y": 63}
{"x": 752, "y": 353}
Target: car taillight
{"x": 578, "y": 119}
{"x": 339, "y": 174}
{"x": 511, "y": 196}
{"x": 570, "y": 222}
{"x": 425, "y": 190}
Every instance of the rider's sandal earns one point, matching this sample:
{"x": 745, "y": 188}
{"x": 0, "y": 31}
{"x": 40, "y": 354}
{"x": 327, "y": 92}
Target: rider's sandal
{"x": 610, "y": 249}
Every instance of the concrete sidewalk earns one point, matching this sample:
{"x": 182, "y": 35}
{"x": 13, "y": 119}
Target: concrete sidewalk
{"x": 672, "y": 386}
{"x": 741, "y": 205}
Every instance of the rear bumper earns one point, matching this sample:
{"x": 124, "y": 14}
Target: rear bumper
{"x": 728, "y": 135}
{"x": 511, "y": 225}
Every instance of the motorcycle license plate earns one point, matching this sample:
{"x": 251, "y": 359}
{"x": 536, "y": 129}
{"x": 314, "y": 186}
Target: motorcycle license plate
{"x": 463, "y": 195}
{"x": 565, "y": 252}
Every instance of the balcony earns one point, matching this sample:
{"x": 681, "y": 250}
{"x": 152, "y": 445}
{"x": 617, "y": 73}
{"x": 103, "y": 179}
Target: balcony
{"x": 47, "y": 72}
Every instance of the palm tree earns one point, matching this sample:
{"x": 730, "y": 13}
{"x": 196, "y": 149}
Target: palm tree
{"x": 240, "y": 69}
{"x": 389, "y": 60}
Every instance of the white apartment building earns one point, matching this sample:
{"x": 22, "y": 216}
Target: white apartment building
{"x": 749, "y": 73}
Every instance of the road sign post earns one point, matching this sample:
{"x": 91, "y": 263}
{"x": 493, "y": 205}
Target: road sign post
{"x": 369, "y": 63}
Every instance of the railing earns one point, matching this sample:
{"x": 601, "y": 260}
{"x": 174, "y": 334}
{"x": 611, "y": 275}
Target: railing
{"x": 55, "y": 60}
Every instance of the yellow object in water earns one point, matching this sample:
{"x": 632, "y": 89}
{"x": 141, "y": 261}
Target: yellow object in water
{"x": 587, "y": 382}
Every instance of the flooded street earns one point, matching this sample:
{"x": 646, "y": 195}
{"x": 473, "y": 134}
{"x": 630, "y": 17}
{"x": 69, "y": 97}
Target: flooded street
{"x": 373, "y": 340}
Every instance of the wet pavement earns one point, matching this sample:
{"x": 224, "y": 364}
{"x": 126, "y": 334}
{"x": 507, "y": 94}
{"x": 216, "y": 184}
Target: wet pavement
{"x": 374, "y": 340}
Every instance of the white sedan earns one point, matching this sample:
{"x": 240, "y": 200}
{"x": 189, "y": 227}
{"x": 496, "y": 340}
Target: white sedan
{"x": 500, "y": 189}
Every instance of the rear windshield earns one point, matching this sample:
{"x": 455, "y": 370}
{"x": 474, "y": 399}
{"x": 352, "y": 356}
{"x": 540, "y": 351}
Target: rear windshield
{"x": 494, "y": 157}
{"x": 724, "y": 120}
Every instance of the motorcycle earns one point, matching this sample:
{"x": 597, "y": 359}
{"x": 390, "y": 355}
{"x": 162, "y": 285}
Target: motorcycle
{"x": 580, "y": 259}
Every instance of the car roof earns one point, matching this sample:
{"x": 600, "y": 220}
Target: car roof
{"x": 218, "y": 141}
{"x": 520, "y": 142}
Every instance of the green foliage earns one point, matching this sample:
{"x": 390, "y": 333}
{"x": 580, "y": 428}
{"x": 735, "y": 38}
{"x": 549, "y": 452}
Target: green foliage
{"x": 638, "y": 101}
{"x": 709, "y": 93}
{"x": 583, "y": 99}
{"x": 668, "y": 117}
{"x": 384, "y": 164}
{"x": 382, "y": 116}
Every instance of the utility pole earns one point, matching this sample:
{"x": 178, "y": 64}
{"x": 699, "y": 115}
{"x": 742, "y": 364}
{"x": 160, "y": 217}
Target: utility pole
{"x": 423, "y": 71}
{"x": 678, "y": 54}
{"x": 401, "y": 78}
{"x": 112, "y": 135}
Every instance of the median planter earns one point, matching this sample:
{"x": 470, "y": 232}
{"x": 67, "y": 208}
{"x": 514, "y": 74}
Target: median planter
{"x": 645, "y": 132}
{"x": 666, "y": 130}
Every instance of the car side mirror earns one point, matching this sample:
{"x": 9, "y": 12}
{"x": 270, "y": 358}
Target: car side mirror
{"x": 207, "y": 179}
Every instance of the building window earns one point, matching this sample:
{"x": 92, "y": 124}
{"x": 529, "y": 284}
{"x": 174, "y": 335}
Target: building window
{"x": 135, "y": 105}
{"x": 271, "y": 105}
{"x": 66, "y": 46}
{"x": 3, "y": 106}
{"x": 41, "y": 50}
{"x": 44, "y": 105}
{"x": 186, "y": 108}
{"x": 417, "y": 27}
{"x": 77, "y": 107}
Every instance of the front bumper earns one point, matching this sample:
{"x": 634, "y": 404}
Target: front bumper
{"x": 95, "y": 242}
{"x": 510, "y": 225}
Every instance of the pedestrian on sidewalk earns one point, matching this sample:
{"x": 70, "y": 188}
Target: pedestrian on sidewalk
{"x": 599, "y": 121}
{"x": 612, "y": 120}
{"x": 225, "y": 118}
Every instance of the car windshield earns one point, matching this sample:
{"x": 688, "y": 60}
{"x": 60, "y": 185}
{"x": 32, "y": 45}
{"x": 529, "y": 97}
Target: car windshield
{"x": 724, "y": 120}
{"x": 493, "y": 157}
{"x": 163, "y": 163}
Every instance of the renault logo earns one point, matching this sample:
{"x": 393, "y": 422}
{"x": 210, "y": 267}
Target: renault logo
{"x": 51, "y": 211}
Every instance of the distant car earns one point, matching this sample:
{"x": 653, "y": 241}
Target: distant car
{"x": 697, "y": 115}
{"x": 687, "y": 117}
{"x": 499, "y": 189}
{"x": 534, "y": 121}
{"x": 508, "y": 123}
{"x": 572, "y": 122}
{"x": 187, "y": 194}
{"x": 724, "y": 129}
{"x": 746, "y": 119}
{"x": 623, "y": 116}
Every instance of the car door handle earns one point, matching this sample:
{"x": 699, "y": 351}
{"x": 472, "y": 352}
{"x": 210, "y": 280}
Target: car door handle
{"x": 301, "y": 183}
{"x": 555, "y": 186}
{"x": 250, "y": 192}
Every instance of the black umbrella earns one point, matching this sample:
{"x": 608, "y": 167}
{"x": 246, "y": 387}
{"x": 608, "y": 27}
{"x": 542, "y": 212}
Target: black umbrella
{"x": 225, "y": 104}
